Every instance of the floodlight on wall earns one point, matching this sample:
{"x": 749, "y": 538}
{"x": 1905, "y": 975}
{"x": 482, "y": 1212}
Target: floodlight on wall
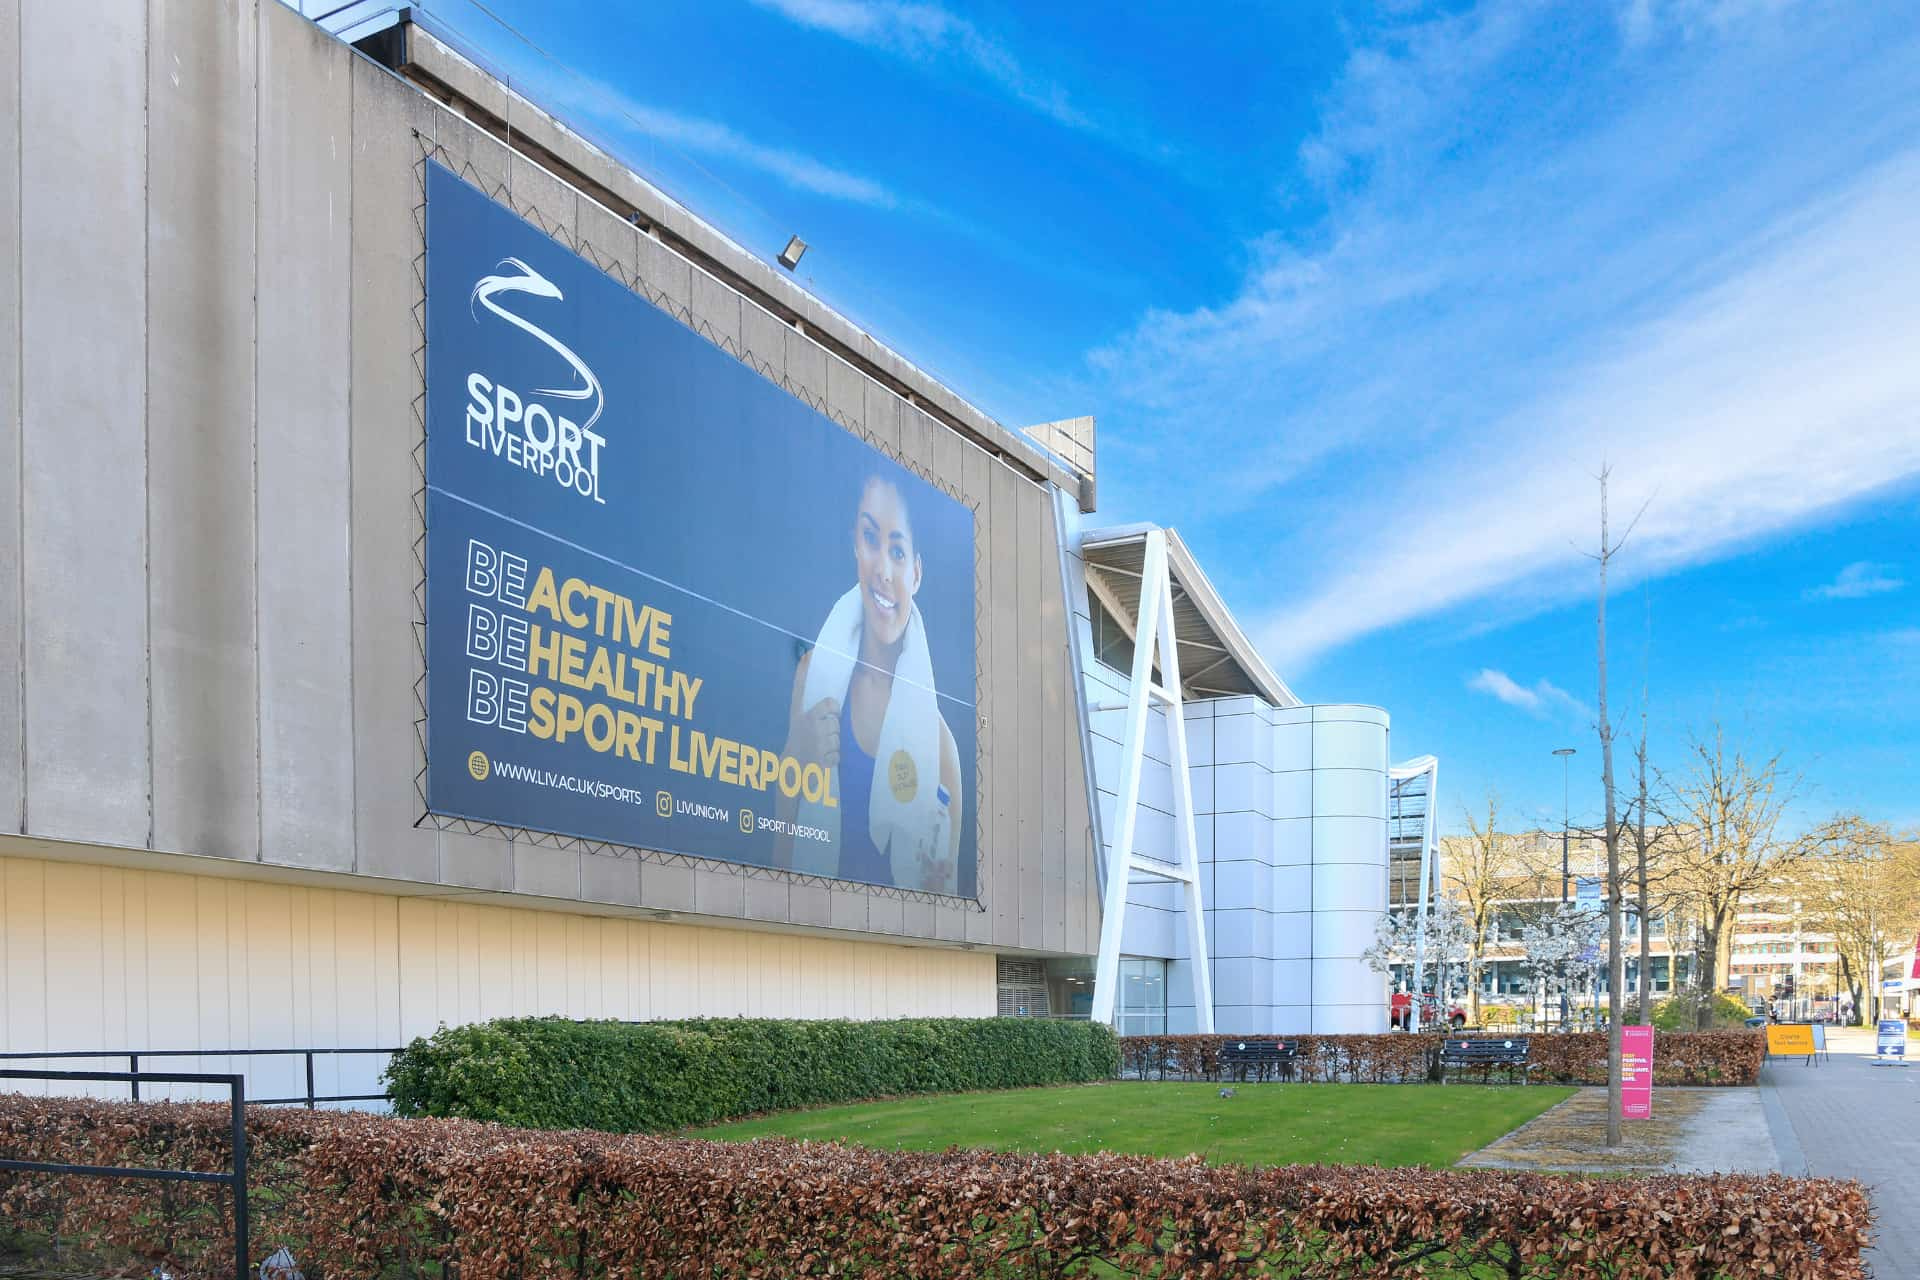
{"x": 790, "y": 256}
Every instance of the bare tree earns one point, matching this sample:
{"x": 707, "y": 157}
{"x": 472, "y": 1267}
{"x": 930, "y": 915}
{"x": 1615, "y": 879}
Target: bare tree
{"x": 1616, "y": 962}
{"x": 1865, "y": 892}
{"x": 1735, "y": 808}
{"x": 1480, "y": 877}
{"x": 1644, "y": 997}
{"x": 1655, "y": 835}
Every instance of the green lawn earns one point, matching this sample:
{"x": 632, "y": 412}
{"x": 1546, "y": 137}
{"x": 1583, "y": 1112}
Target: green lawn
{"x": 1263, "y": 1124}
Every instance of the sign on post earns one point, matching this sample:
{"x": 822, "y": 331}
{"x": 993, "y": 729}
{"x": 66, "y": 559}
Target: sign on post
{"x": 1636, "y": 1073}
{"x": 1890, "y": 1043}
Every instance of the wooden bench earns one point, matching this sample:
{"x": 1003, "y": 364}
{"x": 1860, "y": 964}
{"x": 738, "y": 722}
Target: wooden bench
{"x": 1486, "y": 1052}
{"x": 1238, "y": 1057}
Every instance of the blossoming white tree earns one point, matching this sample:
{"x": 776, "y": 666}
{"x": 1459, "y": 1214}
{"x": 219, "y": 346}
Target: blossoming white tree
{"x": 1449, "y": 944}
{"x": 1565, "y": 950}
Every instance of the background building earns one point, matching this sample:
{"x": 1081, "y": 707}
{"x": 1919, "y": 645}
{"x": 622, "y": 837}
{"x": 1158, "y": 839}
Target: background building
{"x": 225, "y": 824}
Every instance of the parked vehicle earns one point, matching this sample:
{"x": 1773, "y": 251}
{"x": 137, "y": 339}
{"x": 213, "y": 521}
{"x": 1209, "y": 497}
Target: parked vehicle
{"x": 1400, "y": 1012}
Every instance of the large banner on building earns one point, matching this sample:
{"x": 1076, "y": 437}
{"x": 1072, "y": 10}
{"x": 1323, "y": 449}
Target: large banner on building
{"x": 668, "y": 604}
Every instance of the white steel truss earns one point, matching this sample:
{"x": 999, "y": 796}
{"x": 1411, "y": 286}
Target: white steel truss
{"x": 1153, "y": 630}
{"x": 1429, "y": 873}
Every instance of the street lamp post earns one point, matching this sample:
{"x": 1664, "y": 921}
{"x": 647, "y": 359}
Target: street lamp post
{"x": 1566, "y": 821}
{"x": 1566, "y": 810}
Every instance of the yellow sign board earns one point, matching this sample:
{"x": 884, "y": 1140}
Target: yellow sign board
{"x": 1788, "y": 1040}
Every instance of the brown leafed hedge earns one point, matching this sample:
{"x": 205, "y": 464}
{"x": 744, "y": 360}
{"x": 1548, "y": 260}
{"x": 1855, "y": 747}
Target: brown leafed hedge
{"x": 1579, "y": 1057}
{"x": 363, "y": 1196}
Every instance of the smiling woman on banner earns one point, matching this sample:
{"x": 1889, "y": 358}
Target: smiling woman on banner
{"x": 864, "y": 706}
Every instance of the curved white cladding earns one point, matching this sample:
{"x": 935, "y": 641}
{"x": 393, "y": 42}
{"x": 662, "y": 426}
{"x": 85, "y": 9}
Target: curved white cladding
{"x": 1291, "y": 820}
{"x": 1349, "y": 865}
{"x": 1346, "y": 886}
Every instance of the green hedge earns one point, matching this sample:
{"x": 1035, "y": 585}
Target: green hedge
{"x": 550, "y": 1073}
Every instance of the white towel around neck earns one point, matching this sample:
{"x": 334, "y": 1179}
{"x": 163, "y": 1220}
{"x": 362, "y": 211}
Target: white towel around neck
{"x": 905, "y": 814}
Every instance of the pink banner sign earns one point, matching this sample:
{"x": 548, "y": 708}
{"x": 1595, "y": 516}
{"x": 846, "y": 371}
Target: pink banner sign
{"x": 1636, "y": 1073}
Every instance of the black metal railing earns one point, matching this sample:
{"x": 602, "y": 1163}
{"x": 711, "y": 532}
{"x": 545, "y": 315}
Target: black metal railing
{"x": 133, "y": 1075}
{"x": 236, "y": 1180}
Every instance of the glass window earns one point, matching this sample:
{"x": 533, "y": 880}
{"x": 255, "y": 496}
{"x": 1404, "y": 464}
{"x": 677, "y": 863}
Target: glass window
{"x": 1112, "y": 646}
{"x": 1143, "y": 997}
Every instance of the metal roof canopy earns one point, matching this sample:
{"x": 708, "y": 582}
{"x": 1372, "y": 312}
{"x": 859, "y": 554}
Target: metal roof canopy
{"x": 1216, "y": 658}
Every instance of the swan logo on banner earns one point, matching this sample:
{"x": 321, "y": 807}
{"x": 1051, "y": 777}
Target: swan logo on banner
{"x": 520, "y": 427}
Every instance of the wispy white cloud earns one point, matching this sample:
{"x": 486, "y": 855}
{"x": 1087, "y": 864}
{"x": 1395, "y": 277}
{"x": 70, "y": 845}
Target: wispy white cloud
{"x": 714, "y": 140}
{"x": 928, "y": 33}
{"x": 1544, "y": 700}
{"x": 1861, "y": 578}
{"x": 1786, "y": 390}
{"x": 1521, "y": 277}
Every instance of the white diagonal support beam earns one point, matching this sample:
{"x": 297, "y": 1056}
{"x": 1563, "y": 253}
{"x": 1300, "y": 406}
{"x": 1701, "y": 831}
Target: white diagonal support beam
{"x": 1429, "y": 878}
{"x": 1153, "y": 630}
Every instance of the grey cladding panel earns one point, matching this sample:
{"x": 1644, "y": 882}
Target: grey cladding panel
{"x": 883, "y": 412}
{"x": 976, "y": 469}
{"x": 665, "y": 277}
{"x": 305, "y": 365}
{"x": 13, "y": 779}
{"x": 716, "y": 313}
{"x": 947, "y": 449}
{"x": 916, "y": 438}
{"x": 1002, "y": 810}
{"x": 201, "y": 134}
{"x": 667, "y": 886}
{"x": 610, "y": 243}
{"x": 83, "y": 174}
{"x": 386, "y": 476}
{"x": 605, "y": 877}
{"x": 1053, "y": 774}
{"x": 885, "y": 914}
{"x": 543, "y": 199}
{"x": 846, "y": 394}
{"x": 810, "y": 904}
{"x": 1039, "y": 856}
{"x": 917, "y": 919}
{"x": 478, "y": 862}
{"x": 765, "y": 339}
{"x": 769, "y": 899}
{"x": 806, "y": 369}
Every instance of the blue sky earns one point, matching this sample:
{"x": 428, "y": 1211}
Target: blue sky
{"x": 1363, "y": 296}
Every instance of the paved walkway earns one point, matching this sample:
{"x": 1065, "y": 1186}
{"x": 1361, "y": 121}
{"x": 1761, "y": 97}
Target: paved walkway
{"x": 1847, "y": 1118}
{"x": 1692, "y": 1131}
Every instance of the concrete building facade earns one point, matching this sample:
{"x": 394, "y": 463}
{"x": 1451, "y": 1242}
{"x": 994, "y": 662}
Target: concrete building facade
{"x": 210, "y": 666}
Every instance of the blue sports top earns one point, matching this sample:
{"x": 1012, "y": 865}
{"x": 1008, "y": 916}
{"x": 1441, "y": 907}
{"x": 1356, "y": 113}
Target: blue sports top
{"x": 860, "y": 858}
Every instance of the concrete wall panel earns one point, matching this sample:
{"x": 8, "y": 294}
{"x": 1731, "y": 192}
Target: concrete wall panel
{"x": 386, "y": 477}
{"x": 82, "y": 253}
{"x": 807, "y": 369}
{"x": 611, "y": 243}
{"x": 281, "y": 517}
{"x": 542, "y": 199}
{"x": 665, "y": 277}
{"x": 846, "y": 402}
{"x": 305, "y": 354}
{"x": 13, "y": 765}
{"x": 763, "y": 341}
{"x": 1039, "y": 860}
{"x": 1010, "y": 900}
{"x": 717, "y": 313}
{"x": 881, "y": 411}
{"x": 977, "y": 470}
{"x": 202, "y": 126}
{"x": 1059, "y": 751}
